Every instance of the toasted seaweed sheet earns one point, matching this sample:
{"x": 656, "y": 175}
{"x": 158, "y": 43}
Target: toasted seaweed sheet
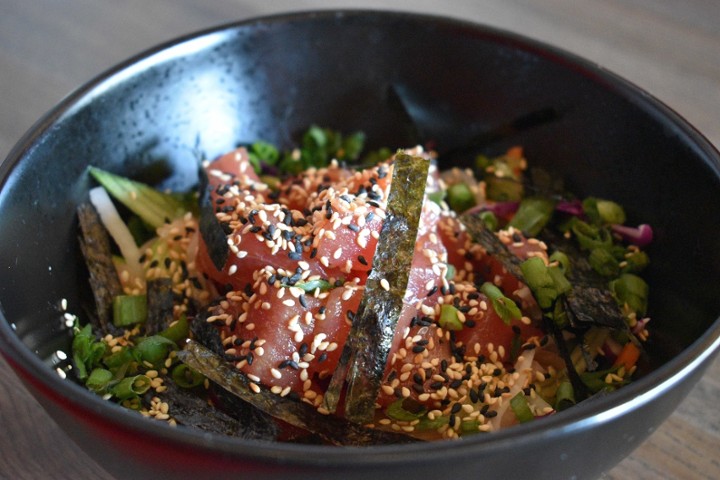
{"x": 104, "y": 282}
{"x": 590, "y": 301}
{"x": 368, "y": 345}
{"x": 160, "y": 305}
{"x": 192, "y": 409}
{"x": 483, "y": 236}
{"x": 332, "y": 429}
{"x": 212, "y": 232}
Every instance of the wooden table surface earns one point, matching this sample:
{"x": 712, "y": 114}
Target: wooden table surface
{"x": 669, "y": 47}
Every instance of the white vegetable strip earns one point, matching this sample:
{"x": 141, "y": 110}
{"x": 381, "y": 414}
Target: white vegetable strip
{"x": 118, "y": 230}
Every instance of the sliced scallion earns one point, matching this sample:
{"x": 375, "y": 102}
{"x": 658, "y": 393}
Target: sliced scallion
{"x": 154, "y": 349}
{"x": 186, "y": 377}
{"x": 505, "y": 307}
{"x": 99, "y": 380}
{"x": 489, "y": 219}
{"x": 129, "y": 310}
{"x": 565, "y": 396}
{"x": 601, "y": 211}
{"x": 520, "y": 408}
{"x": 603, "y": 262}
{"x": 312, "y": 285}
{"x": 460, "y": 197}
{"x": 449, "y": 319}
{"x": 631, "y": 290}
{"x": 131, "y": 387}
{"x": 532, "y": 215}
{"x": 546, "y": 283}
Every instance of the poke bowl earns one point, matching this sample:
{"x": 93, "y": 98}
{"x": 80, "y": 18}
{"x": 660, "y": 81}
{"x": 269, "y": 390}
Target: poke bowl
{"x": 401, "y": 79}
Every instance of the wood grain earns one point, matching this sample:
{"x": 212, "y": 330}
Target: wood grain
{"x": 670, "y": 48}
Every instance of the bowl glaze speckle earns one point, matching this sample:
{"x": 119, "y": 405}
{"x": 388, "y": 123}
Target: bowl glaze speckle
{"x": 401, "y": 78}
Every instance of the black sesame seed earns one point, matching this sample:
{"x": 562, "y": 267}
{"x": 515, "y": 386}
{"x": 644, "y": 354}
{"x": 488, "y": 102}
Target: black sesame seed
{"x": 362, "y": 260}
{"x": 295, "y": 256}
{"x": 473, "y": 396}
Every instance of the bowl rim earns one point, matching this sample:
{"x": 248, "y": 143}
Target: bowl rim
{"x": 584, "y": 415}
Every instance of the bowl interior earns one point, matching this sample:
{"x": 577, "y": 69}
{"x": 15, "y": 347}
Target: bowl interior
{"x": 402, "y": 80}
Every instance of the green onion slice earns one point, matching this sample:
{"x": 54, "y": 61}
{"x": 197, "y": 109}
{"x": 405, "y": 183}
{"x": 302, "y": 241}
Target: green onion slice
{"x": 505, "y": 307}
{"x": 449, "y": 319}
{"x": 532, "y": 215}
{"x": 521, "y": 409}
{"x": 130, "y": 387}
{"x": 129, "y": 310}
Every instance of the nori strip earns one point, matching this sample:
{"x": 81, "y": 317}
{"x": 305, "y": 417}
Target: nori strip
{"x": 367, "y": 347}
{"x": 159, "y": 305}
{"x": 299, "y": 414}
{"x": 237, "y": 419}
{"x": 212, "y": 232}
{"x": 95, "y": 246}
{"x": 205, "y": 333}
{"x": 590, "y": 301}
{"x": 480, "y": 234}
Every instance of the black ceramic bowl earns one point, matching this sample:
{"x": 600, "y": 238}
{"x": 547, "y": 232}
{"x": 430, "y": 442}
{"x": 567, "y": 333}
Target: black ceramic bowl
{"x": 400, "y": 78}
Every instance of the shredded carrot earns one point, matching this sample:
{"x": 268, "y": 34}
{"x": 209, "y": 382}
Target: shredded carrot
{"x": 515, "y": 152}
{"x": 628, "y": 356}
